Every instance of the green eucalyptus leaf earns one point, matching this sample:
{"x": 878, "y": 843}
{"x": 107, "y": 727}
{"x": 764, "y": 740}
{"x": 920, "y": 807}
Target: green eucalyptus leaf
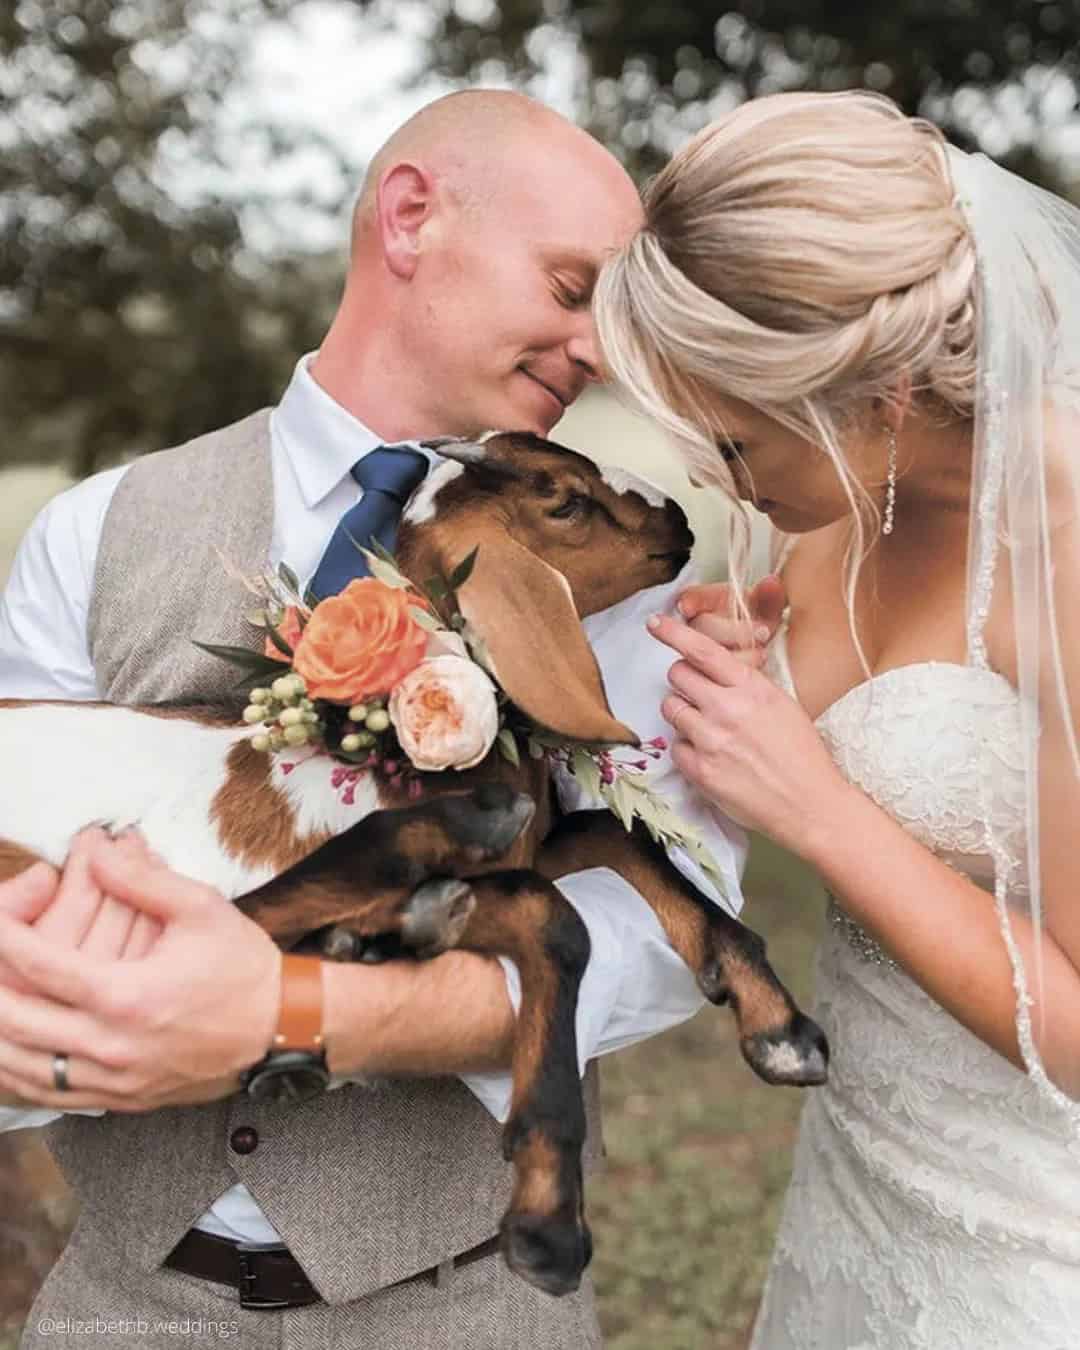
{"x": 384, "y": 569}
{"x": 586, "y": 772}
{"x": 463, "y": 571}
{"x": 280, "y": 643}
{"x": 426, "y": 620}
{"x": 256, "y": 662}
{"x": 288, "y": 577}
{"x": 508, "y": 747}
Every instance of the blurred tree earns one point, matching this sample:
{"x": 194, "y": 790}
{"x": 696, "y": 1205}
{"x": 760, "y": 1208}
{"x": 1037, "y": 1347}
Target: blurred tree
{"x": 648, "y": 72}
{"x": 128, "y": 319}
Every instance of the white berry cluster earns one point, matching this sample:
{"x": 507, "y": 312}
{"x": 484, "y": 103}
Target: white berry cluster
{"x": 371, "y": 719}
{"x": 283, "y": 713}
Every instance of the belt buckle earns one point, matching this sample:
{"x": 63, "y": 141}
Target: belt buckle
{"x": 249, "y": 1278}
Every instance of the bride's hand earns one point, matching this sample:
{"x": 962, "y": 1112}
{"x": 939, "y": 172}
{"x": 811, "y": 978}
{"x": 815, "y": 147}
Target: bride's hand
{"x": 746, "y": 743}
{"x": 707, "y": 609}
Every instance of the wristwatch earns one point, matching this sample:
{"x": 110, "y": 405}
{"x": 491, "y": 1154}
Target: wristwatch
{"x": 294, "y": 1068}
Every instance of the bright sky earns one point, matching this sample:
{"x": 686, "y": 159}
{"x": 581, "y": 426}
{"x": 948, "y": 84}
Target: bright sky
{"x": 329, "y": 70}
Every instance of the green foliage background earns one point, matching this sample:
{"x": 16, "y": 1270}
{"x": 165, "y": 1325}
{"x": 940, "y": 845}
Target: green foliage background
{"x": 134, "y": 315}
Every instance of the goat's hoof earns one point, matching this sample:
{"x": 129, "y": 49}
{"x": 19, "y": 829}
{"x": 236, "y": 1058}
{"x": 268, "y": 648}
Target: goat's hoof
{"x": 338, "y": 944}
{"x": 550, "y": 1253}
{"x": 487, "y": 820}
{"x": 435, "y": 916}
{"x": 798, "y": 1055}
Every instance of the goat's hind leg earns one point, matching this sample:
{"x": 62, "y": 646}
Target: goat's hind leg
{"x": 780, "y": 1043}
{"x": 520, "y": 915}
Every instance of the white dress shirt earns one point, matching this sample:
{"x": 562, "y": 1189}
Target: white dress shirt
{"x": 635, "y": 985}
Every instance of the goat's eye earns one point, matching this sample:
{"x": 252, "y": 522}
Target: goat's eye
{"x": 575, "y": 505}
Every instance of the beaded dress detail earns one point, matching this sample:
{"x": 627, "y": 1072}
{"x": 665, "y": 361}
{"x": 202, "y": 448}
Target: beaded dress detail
{"x": 935, "y": 1199}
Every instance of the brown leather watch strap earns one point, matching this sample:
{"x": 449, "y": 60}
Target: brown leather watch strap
{"x": 300, "y": 1020}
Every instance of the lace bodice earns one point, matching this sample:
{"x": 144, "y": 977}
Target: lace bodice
{"x": 935, "y": 1203}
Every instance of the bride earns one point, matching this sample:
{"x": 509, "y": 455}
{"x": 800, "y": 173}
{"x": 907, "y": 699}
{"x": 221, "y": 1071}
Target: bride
{"x": 874, "y": 339}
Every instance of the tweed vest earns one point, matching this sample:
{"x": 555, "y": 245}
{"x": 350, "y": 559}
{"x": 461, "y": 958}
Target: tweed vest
{"x": 367, "y": 1185}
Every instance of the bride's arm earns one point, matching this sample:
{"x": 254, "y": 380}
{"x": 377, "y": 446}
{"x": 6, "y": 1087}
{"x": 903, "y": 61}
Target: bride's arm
{"x": 945, "y": 931}
{"x": 755, "y": 752}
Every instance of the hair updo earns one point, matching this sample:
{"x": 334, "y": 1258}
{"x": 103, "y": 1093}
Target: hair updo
{"x": 804, "y": 254}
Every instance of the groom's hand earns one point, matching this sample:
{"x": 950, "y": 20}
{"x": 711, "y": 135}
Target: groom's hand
{"x": 707, "y": 609}
{"x": 176, "y": 1024}
{"x": 72, "y": 911}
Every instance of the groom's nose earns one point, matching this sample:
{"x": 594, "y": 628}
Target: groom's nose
{"x": 584, "y": 351}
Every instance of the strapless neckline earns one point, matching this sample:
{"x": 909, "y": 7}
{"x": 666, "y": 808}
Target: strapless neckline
{"x": 780, "y": 668}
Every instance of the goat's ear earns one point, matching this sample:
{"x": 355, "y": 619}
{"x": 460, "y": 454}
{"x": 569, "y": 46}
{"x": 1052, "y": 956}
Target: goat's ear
{"x": 524, "y": 612}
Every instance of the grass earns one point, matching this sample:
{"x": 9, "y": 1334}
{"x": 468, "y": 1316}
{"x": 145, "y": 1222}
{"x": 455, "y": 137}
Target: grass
{"x": 22, "y": 492}
{"x": 699, "y": 1153}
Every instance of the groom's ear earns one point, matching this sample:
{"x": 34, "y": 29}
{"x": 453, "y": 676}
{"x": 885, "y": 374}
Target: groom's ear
{"x": 405, "y": 202}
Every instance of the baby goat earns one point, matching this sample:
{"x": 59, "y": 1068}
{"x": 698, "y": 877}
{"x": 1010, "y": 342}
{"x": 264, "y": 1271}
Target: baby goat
{"x": 471, "y": 863}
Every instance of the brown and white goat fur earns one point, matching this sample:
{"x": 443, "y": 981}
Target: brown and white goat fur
{"x": 472, "y": 862}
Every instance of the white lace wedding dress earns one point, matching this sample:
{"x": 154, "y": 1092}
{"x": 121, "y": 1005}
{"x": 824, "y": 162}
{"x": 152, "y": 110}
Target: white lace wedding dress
{"x": 935, "y": 1201}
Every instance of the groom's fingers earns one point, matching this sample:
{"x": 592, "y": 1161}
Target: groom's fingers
{"x": 149, "y": 886}
{"x": 144, "y": 933}
{"x": 68, "y": 919}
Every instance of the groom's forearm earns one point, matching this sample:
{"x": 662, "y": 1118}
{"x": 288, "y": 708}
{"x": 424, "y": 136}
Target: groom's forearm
{"x": 450, "y": 1015}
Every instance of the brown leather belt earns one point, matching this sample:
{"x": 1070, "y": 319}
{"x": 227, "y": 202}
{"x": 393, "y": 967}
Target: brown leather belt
{"x": 268, "y": 1277}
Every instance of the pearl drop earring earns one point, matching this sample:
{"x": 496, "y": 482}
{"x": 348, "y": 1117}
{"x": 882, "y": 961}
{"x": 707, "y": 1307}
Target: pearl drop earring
{"x": 890, "y": 486}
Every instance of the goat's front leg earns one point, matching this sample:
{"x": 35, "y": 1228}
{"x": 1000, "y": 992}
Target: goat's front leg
{"x": 355, "y": 885}
{"x": 780, "y": 1043}
{"x": 520, "y": 915}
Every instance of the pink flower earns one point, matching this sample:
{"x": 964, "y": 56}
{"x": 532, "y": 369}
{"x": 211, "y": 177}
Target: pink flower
{"x": 445, "y": 714}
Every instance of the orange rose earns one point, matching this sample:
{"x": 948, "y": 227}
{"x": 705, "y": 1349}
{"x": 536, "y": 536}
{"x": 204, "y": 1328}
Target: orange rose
{"x": 359, "y": 643}
{"x": 289, "y": 629}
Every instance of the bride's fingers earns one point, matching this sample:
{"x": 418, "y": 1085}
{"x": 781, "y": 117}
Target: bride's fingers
{"x": 735, "y": 634}
{"x": 712, "y": 597}
{"x": 715, "y": 661}
{"x": 697, "y": 689}
{"x": 687, "y": 721}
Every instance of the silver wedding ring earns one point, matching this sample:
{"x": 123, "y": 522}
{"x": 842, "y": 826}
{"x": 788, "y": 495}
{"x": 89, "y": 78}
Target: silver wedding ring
{"x": 60, "y": 1072}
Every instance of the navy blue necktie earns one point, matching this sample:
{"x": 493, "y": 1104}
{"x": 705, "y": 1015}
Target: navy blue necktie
{"x": 388, "y": 476}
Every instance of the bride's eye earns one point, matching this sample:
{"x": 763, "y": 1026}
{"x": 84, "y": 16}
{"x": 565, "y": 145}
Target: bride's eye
{"x": 730, "y": 450}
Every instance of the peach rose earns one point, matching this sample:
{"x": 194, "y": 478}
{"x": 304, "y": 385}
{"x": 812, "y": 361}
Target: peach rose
{"x": 359, "y": 643}
{"x": 445, "y": 713}
{"x": 289, "y": 629}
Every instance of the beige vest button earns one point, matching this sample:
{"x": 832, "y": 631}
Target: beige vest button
{"x": 244, "y": 1140}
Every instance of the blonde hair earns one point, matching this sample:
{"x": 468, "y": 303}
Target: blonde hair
{"x": 804, "y": 255}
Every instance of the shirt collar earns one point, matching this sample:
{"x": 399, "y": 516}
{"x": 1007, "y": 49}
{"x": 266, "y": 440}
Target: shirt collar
{"x": 320, "y": 438}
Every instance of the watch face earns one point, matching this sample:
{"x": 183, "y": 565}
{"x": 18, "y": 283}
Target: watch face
{"x": 288, "y": 1076}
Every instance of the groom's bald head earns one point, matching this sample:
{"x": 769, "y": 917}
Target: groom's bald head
{"x": 477, "y": 142}
{"x": 480, "y": 229}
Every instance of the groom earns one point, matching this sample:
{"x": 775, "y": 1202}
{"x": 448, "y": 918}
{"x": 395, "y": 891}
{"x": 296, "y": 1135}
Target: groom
{"x": 475, "y": 243}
